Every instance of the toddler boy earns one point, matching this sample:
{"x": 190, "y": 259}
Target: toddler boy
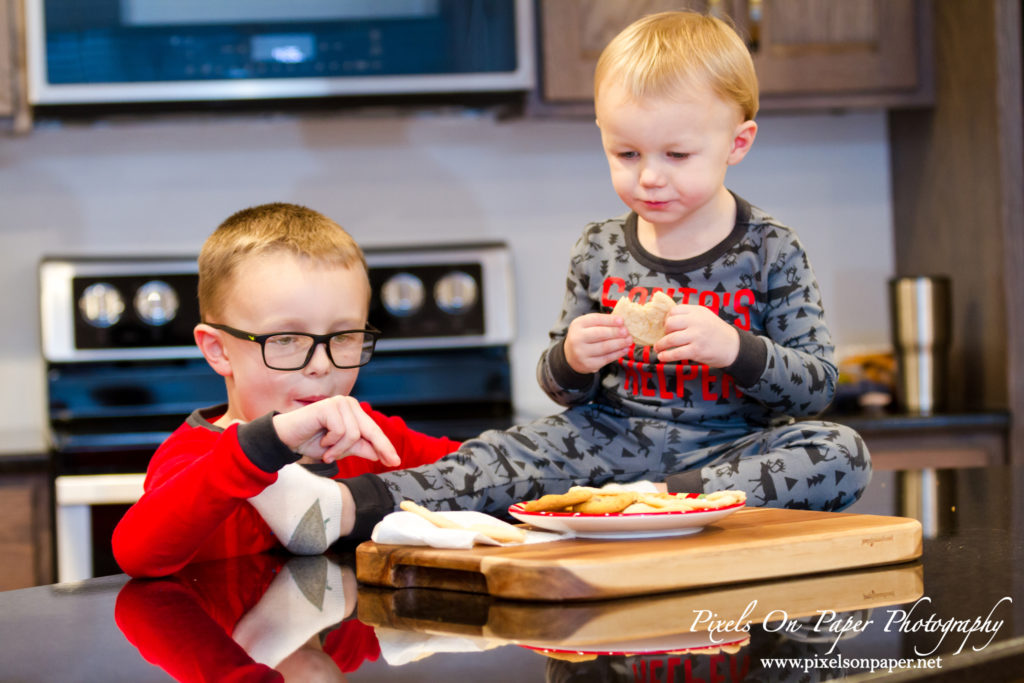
{"x": 712, "y": 404}
{"x": 284, "y": 296}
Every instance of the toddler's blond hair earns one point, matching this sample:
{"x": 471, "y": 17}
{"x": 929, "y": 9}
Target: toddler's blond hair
{"x": 662, "y": 53}
{"x": 264, "y": 229}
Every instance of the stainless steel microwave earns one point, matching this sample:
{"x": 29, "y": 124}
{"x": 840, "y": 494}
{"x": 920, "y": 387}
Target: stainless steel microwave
{"x": 102, "y": 51}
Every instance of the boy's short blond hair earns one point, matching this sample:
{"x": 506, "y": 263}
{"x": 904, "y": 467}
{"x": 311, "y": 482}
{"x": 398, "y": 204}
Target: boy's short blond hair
{"x": 662, "y": 53}
{"x": 265, "y": 229}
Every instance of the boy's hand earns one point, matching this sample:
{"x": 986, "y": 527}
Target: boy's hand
{"x": 697, "y": 334}
{"x": 594, "y": 340}
{"x": 332, "y": 429}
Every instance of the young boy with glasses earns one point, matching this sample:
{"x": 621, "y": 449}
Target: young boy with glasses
{"x": 284, "y": 296}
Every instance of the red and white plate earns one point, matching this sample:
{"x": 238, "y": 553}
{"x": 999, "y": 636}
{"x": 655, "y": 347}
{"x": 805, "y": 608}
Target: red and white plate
{"x": 628, "y": 525}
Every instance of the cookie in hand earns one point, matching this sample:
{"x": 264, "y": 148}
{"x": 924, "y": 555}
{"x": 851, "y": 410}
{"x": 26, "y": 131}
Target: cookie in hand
{"x": 645, "y": 322}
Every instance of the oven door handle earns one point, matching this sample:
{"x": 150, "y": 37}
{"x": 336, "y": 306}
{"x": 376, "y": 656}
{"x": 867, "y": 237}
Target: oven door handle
{"x": 73, "y": 496}
{"x": 98, "y": 489}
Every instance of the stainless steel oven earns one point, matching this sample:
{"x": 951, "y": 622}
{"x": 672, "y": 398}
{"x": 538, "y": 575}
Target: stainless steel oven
{"x": 123, "y": 371}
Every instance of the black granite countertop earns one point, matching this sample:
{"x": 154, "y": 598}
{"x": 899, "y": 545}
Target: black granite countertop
{"x": 956, "y": 614}
{"x": 882, "y": 421}
{"x": 21, "y": 462}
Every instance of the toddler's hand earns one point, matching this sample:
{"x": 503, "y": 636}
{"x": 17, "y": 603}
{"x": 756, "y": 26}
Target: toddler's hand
{"x": 334, "y": 428}
{"x": 697, "y": 334}
{"x": 594, "y": 340}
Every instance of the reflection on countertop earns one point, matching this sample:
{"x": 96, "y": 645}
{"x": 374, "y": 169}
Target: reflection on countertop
{"x": 961, "y": 605}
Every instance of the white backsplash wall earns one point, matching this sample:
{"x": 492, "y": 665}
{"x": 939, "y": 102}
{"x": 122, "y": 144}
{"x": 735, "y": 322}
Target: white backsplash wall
{"x": 161, "y": 185}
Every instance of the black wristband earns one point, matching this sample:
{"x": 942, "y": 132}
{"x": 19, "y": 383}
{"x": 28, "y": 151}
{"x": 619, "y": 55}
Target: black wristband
{"x": 373, "y": 501}
{"x": 689, "y": 481}
{"x": 261, "y": 444}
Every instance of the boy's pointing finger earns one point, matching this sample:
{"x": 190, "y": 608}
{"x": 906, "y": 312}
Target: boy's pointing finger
{"x": 372, "y": 433}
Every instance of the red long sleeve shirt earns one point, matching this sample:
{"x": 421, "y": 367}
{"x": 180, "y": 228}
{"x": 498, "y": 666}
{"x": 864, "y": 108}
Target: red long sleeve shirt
{"x": 194, "y": 506}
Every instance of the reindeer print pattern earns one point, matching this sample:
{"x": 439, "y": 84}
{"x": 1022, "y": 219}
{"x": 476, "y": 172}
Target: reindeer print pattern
{"x": 807, "y": 464}
{"x": 759, "y": 280}
{"x": 741, "y": 427}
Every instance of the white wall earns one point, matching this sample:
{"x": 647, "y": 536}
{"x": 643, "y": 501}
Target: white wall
{"x": 161, "y": 185}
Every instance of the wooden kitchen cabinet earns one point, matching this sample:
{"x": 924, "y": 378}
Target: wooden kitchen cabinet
{"x": 808, "y": 53}
{"x": 574, "y": 32}
{"x": 947, "y": 441}
{"x": 14, "y": 110}
{"x": 839, "y": 52}
{"x": 6, "y": 60}
{"x": 25, "y": 536}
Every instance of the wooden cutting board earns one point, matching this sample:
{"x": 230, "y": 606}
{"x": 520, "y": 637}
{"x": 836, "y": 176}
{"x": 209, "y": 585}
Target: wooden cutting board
{"x": 749, "y": 545}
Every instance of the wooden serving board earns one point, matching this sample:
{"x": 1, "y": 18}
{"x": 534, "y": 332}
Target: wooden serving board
{"x": 750, "y": 545}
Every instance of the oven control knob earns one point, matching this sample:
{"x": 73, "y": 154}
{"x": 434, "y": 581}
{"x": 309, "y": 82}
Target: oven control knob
{"x": 156, "y": 303}
{"x": 101, "y": 305}
{"x": 402, "y": 294}
{"x": 455, "y": 293}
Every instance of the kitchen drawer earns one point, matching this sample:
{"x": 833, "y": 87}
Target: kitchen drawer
{"x": 25, "y": 538}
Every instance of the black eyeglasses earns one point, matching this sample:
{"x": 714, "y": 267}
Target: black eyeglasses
{"x": 293, "y": 350}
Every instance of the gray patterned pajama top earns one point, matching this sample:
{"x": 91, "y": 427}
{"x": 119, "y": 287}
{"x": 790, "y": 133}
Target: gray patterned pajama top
{"x": 697, "y": 428}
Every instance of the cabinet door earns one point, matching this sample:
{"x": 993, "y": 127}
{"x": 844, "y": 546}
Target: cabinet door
{"x": 574, "y": 32}
{"x": 6, "y": 59}
{"x": 833, "y": 47}
{"x": 15, "y": 114}
{"x": 24, "y": 530}
{"x": 808, "y": 53}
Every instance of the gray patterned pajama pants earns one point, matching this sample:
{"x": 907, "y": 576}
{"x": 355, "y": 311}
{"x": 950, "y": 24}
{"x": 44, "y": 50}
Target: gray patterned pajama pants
{"x": 810, "y": 464}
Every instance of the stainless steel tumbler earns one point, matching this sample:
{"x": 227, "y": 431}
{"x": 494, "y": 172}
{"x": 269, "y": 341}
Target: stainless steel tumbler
{"x": 920, "y": 314}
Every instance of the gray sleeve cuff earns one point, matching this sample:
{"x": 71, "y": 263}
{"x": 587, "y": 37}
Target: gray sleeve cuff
{"x": 260, "y": 443}
{"x": 751, "y": 360}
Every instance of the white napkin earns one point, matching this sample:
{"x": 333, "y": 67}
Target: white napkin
{"x": 638, "y": 486}
{"x": 407, "y": 528}
{"x": 401, "y": 647}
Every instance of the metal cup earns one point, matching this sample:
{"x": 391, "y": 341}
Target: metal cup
{"x": 920, "y": 316}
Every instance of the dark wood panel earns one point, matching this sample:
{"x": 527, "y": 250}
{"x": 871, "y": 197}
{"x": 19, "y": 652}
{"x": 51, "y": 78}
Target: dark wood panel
{"x": 25, "y": 537}
{"x": 574, "y": 32}
{"x": 809, "y": 54}
{"x": 815, "y": 47}
{"x": 920, "y": 451}
{"x": 1010, "y": 103}
{"x": 956, "y": 194}
{"x": 15, "y": 113}
{"x": 7, "y": 54}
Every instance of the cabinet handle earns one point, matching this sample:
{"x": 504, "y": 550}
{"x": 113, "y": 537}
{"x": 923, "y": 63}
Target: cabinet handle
{"x": 755, "y": 13}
